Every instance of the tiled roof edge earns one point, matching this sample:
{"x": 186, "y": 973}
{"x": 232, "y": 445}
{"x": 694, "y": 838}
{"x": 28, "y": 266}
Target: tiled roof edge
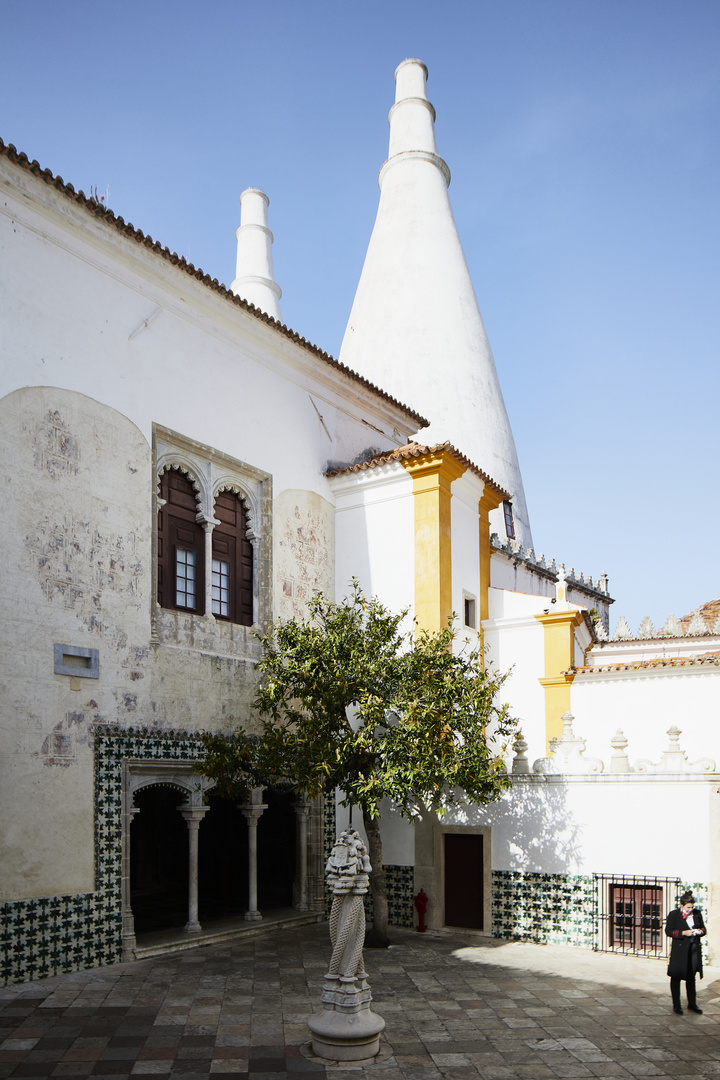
{"x": 416, "y": 450}
{"x": 637, "y": 665}
{"x": 104, "y": 213}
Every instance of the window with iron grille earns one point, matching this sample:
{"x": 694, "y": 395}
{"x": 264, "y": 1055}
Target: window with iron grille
{"x": 632, "y": 911}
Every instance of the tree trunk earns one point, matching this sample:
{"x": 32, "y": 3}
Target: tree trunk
{"x": 377, "y": 935}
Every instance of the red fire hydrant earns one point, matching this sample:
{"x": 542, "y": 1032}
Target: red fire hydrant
{"x": 421, "y": 903}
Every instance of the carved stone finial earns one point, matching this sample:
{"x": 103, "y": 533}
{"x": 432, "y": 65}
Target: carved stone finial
{"x": 561, "y": 587}
{"x": 647, "y": 630}
{"x": 696, "y": 626}
{"x": 674, "y": 759}
{"x": 622, "y": 630}
{"x": 672, "y": 627}
{"x": 619, "y": 761}
{"x": 567, "y": 753}
{"x": 520, "y": 761}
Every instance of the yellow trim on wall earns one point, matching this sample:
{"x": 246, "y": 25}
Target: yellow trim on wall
{"x": 559, "y": 629}
{"x": 432, "y": 476}
{"x": 490, "y": 501}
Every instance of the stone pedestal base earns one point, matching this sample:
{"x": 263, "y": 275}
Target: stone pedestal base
{"x": 346, "y": 1036}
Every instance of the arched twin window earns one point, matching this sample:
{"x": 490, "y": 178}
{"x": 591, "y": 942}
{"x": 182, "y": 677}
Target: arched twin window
{"x": 182, "y": 539}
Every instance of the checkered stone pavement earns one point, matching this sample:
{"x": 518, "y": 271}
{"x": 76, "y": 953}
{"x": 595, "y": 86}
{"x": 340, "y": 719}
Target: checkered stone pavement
{"x": 457, "y": 1006}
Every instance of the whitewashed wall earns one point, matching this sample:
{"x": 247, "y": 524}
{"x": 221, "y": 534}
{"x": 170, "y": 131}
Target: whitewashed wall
{"x": 87, "y": 309}
{"x": 466, "y": 493}
{"x": 375, "y": 534}
{"x": 645, "y": 704}
{"x": 516, "y": 644}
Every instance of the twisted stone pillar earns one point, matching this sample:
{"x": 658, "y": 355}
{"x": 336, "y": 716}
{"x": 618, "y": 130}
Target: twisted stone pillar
{"x": 347, "y": 1029}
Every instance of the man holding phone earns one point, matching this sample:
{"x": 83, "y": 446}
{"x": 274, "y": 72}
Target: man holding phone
{"x": 685, "y": 927}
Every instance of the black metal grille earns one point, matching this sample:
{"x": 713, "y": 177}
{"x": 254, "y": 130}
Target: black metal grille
{"x": 631, "y": 913}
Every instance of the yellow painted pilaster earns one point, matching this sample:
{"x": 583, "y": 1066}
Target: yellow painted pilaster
{"x": 559, "y": 628}
{"x": 490, "y": 501}
{"x": 432, "y": 476}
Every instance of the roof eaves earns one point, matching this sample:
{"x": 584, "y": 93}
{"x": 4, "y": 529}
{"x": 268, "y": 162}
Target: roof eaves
{"x": 417, "y": 450}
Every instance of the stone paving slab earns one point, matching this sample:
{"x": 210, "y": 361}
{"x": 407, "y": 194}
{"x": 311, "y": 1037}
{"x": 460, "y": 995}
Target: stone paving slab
{"x": 457, "y": 1007}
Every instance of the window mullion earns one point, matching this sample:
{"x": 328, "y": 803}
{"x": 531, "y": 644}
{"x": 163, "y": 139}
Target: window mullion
{"x": 208, "y": 525}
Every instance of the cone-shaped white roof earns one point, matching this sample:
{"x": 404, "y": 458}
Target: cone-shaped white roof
{"x": 415, "y": 328}
{"x": 254, "y": 277}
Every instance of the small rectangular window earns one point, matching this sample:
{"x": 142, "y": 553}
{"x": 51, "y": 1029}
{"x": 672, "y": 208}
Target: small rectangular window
{"x": 470, "y": 612}
{"x": 185, "y": 578}
{"x": 509, "y": 523}
{"x": 637, "y": 917}
{"x": 221, "y": 588}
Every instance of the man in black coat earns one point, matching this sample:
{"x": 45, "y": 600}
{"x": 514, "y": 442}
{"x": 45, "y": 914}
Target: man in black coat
{"x": 685, "y": 926}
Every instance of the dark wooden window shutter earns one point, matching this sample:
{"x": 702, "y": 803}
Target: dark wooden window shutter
{"x": 177, "y": 528}
{"x": 231, "y": 546}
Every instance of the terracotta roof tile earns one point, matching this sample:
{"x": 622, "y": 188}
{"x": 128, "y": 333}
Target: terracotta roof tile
{"x": 106, "y": 215}
{"x": 709, "y": 612}
{"x": 710, "y": 658}
{"x": 417, "y": 450}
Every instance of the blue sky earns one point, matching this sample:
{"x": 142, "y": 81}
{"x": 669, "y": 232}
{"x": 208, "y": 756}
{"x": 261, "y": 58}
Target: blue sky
{"x": 582, "y": 138}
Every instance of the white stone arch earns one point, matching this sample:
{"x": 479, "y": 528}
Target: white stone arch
{"x": 181, "y": 463}
{"x": 248, "y": 496}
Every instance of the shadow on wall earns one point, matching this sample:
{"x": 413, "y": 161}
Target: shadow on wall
{"x": 539, "y": 894}
{"x": 534, "y": 831}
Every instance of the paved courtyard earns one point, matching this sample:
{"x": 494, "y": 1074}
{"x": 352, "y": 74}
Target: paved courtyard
{"x": 456, "y": 1006}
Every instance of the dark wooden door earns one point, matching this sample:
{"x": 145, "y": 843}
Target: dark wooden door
{"x": 464, "y": 880}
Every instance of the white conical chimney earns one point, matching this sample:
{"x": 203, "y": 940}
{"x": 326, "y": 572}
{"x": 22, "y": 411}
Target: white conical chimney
{"x": 415, "y": 328}
{"x": 254, "y": 278}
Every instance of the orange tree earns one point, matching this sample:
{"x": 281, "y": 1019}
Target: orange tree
{"x": 350, "y": 700}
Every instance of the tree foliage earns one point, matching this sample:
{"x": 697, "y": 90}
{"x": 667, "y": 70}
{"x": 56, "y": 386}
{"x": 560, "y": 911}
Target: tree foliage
{"x": 351, "y": 700}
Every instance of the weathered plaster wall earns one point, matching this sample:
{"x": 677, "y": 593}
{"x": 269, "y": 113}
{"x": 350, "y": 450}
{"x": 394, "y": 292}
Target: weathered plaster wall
{"x": 303, "y": 551}
{"x": 75, "y": 534}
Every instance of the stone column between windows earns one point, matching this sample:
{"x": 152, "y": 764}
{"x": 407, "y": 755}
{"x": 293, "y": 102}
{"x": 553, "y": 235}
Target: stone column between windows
{"x": 302, "y": 810}
{"x": 252, "y": 812}
{"x": 208, "y": 524}
{"x": 193, "y": 816}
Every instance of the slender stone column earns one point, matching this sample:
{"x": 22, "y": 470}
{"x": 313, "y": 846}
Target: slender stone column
{"x": 302, "y": 810}
{"x": 128, "y": 920}
{"x": 193, "y": 816}
{"x": 252, "y": 812}
{"x": 208, "y": 524}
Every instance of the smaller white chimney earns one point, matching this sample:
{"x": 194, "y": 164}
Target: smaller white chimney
{"x": 254, "y": 278}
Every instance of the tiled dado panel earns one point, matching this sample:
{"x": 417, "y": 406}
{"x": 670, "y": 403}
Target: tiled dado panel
{"x": 550, "y": 908}
{"x": 51, "y": 935}
{"x": 399, "y": 883}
